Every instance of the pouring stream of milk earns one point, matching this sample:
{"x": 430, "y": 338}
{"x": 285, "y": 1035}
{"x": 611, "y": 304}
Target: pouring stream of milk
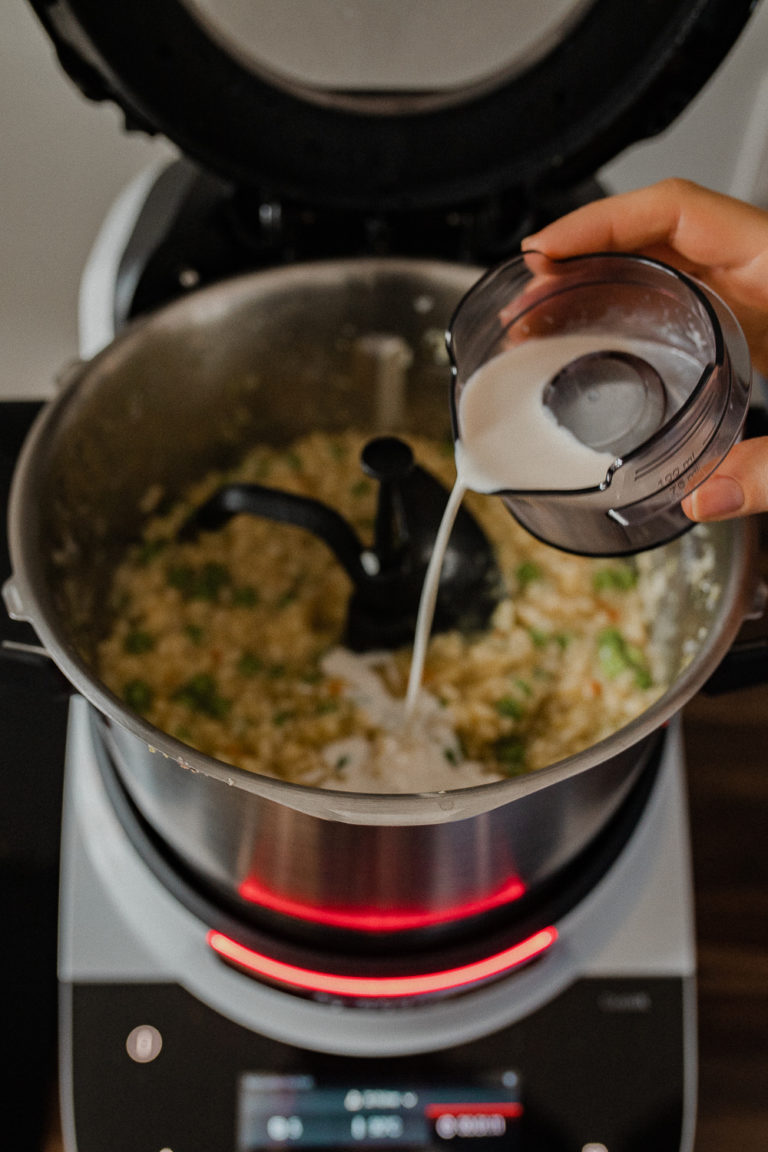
{"x": 429, "y": 598}
{"x": 509, "y": 440}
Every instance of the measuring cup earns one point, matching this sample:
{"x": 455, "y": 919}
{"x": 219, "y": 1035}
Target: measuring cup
{"x": 660, "y": 388}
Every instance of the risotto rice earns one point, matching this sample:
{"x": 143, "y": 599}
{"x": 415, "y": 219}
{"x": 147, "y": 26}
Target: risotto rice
{"x": 232, "y": 643}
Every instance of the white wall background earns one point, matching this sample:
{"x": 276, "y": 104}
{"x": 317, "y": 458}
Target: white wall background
{"x": 63, "y": 160}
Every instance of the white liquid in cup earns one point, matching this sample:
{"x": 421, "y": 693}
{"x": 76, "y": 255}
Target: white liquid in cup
{"x": 510, "y": 440}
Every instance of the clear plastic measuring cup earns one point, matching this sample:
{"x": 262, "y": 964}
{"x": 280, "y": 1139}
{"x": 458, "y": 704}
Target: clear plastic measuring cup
{"x": 661, "y": 384}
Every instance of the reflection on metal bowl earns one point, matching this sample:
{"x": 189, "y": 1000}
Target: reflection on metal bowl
{"x": 262, "y": 358}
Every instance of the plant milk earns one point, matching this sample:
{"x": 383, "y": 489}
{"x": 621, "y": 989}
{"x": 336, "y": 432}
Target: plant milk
{"x": 510, "y": 440}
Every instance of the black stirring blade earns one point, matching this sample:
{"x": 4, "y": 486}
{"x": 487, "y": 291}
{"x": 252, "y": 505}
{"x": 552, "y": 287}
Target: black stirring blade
{"x": 388, "y": 577}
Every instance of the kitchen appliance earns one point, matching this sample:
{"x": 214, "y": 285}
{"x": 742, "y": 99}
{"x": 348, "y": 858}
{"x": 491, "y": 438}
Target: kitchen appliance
{"x": 249, "y": 360}
{"x": 180, "y": 1030}
{"x": 193, "y": 228}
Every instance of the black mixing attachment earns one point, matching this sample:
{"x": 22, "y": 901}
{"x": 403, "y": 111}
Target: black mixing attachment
{"x": 387, "y": 578}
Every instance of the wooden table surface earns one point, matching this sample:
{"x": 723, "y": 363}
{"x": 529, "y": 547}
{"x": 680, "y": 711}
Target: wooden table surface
{"x": 726, "y": 740}
{"x": 727, "y": 757}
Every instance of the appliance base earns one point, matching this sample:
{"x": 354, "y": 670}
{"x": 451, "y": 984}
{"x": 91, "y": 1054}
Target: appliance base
{"x": 591, "y": 1047}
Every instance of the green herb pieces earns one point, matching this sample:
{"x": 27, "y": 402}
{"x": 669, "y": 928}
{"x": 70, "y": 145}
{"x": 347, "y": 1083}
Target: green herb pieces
{"x": 138, "y": 641}
{"x": 527, "y": 573}
{"x": 249, "y": 664}
{"x": 203, "y": 583}
{"x": 541, "y": 638}
{"x": 182, "y": 578}
{"x": 201, "y": 694}
{"x": 615, "y": 656}
{"x": 510, "y": 753}
{"x": 289, "y": 595}
{"x": 509, "y": 706}
{"x": 245, "y": 596}
{"x": 149, "y": 549}
{"x": 283, "y": 716}
{"x": 138, "y": 695}
{"x": 617, "y": 579}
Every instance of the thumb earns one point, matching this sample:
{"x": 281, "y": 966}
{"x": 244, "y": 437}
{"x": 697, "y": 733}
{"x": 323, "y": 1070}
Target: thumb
{"x": 738, "y": 487}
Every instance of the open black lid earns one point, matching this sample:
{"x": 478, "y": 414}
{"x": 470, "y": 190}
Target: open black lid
{"x": 447, "y": 101}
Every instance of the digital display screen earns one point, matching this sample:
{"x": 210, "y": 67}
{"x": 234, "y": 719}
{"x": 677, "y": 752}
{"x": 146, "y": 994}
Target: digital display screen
{"x": 299, "y": 1111}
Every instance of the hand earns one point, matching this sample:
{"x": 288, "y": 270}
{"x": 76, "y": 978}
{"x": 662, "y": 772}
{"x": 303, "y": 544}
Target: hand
{"x": 722, "y": 242}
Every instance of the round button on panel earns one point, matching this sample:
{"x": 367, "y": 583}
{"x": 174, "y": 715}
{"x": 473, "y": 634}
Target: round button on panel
{"x": 143, "y": 1044}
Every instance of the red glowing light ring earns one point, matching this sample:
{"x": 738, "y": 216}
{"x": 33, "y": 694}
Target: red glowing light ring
{"x": 378, "y": 920}
{"x": 378, "y": 987}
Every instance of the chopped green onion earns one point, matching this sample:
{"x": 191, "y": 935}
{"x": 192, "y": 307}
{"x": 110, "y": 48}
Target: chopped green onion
{"x": 282, "y": 717}
{"x": 326, "y": 707}
{"x": 138, "y": 640}
{"x": 201, "y": 694}
{"x": 614, "y": 579}
{"x": 204, "y": 583}
{"x": 138, "y": 695}
{"x": 615, "y": 656}
{"x": 527, "y": 573}
{"x": 510, "y": 753}
{"x": 508, "y": 706}
{"x": 148, "y": 549}
{"x": 249, "y": 664}
{"x": 289, "y": 595}
{"x": 246, "y": 596}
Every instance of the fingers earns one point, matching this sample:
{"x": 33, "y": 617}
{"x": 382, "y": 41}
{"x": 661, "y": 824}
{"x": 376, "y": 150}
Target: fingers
{"x": 624, "y": 223}
{"x": 739, "y": 487}
{"x": 701, "y": 228}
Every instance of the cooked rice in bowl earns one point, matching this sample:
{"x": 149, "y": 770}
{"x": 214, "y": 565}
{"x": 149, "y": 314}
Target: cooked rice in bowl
{"x": 232, "y": 643}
